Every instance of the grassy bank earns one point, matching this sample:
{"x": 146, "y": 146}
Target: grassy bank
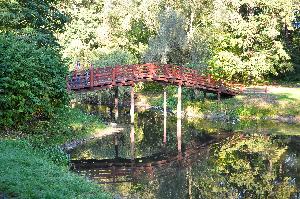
{"x": 277, "y": 110}
{"x": 279, "y": 103}
{"x": 67, "y": 124}
{"x": 26, "y": 173}
{"x": 34, "y": 166}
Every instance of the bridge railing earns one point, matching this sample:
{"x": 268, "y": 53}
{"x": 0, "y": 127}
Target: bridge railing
{"x": 129, "y": 74}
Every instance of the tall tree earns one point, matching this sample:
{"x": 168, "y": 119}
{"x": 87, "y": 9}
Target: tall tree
{"x": 99, "y": 29}
{"x": 169, "y": 43}
{"x": 248, "y": 40}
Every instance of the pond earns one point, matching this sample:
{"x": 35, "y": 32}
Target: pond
{"x": 137, "y": 162}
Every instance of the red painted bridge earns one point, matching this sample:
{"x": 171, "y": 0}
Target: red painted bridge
{"x": 128, "y": 75}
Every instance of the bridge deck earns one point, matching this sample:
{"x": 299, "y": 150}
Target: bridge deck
{"x": 128, "y": 75}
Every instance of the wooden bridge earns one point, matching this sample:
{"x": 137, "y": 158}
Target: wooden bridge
{"x": 128, "y": 75}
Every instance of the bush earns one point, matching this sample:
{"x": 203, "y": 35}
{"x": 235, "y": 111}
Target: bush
{"x": 32, "y": 81}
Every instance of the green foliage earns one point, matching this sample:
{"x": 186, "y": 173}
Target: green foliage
{"x": 28, "y": 174}
{"x": 152, "y": 87}
{"x": 100, "y": 28}
{"x": 115, "y": 58}
{"x": 168, "y": 45}
{"x": 247, "y": 40}
{"x": 32, "y": 17}
{"x": 32, "y": 82}
{"x": 292, "y": 42}
{"x": 248, "y": 43}
{"x": 66, "y": 125}
{"x": 138, "y": 37}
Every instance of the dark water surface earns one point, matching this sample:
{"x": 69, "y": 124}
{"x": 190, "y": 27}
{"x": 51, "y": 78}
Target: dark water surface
{"x": 209, "y": 163}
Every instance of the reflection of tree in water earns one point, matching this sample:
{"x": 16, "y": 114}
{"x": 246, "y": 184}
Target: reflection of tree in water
{"x": 252, "y": 166}
{"x": 246, "y": 167}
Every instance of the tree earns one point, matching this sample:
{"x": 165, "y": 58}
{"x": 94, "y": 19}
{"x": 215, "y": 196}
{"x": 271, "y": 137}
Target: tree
{"x": 248, "y": 40}
{"x": 169, "y": 43}
{"x": 32, "y": 80}
{"x": 33, "y": 19}
{"x": 101, "y": 28}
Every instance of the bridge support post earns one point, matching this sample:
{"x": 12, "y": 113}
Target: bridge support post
{"x": 132, "y": 104}
{"x": 179, "y": 119}
{"x": 165, "y": 116}
{"x": 132, "y": 141}
{"x": 132, "y": 122}
{"x": 116, "y": 105}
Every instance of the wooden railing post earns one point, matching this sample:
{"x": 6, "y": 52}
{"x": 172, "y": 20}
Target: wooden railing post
{"x": 132, "y": 104}
{"x": 91, "y": 76}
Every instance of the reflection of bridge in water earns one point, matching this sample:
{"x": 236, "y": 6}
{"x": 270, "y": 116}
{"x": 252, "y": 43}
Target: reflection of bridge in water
{"x": 118, "y": 170}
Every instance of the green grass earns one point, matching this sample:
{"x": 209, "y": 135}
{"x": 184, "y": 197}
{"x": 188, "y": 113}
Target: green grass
{"x": 66, "y": 125}
{"x": 26, "y": 173}
{"x": 36, "y": 167}
{"x": 281, "y": 101}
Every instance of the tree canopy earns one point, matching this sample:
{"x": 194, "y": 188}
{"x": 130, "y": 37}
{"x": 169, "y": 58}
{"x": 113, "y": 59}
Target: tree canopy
{"x": 246, "y": 41}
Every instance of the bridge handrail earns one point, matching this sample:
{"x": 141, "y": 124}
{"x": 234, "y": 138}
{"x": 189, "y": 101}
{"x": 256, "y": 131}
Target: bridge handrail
{"x": 129, "y": 74}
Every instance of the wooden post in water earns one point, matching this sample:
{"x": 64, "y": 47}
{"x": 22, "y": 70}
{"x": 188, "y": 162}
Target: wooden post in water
{"x": 132, "y": 141}
{"x": 132, "y": 122}
{"x": 165, "y": 116}
{"x": 132, "y": 104}
{"x": 179, "y": 119}
{"x": 116, "y": 105}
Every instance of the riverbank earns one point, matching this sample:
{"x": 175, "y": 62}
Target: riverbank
{"x": 27, "y": 173}
{"x": 34, "y": 164}
{"x": 259, "y": 108}
{"x": 281, "y": 104}
{"x": 269, "y": 103}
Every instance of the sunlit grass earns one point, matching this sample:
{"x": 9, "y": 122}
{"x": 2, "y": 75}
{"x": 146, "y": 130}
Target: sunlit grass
{"x": 276, "y": 112}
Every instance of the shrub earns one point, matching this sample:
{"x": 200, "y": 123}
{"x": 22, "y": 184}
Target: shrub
{"x": 32, "y": 81}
